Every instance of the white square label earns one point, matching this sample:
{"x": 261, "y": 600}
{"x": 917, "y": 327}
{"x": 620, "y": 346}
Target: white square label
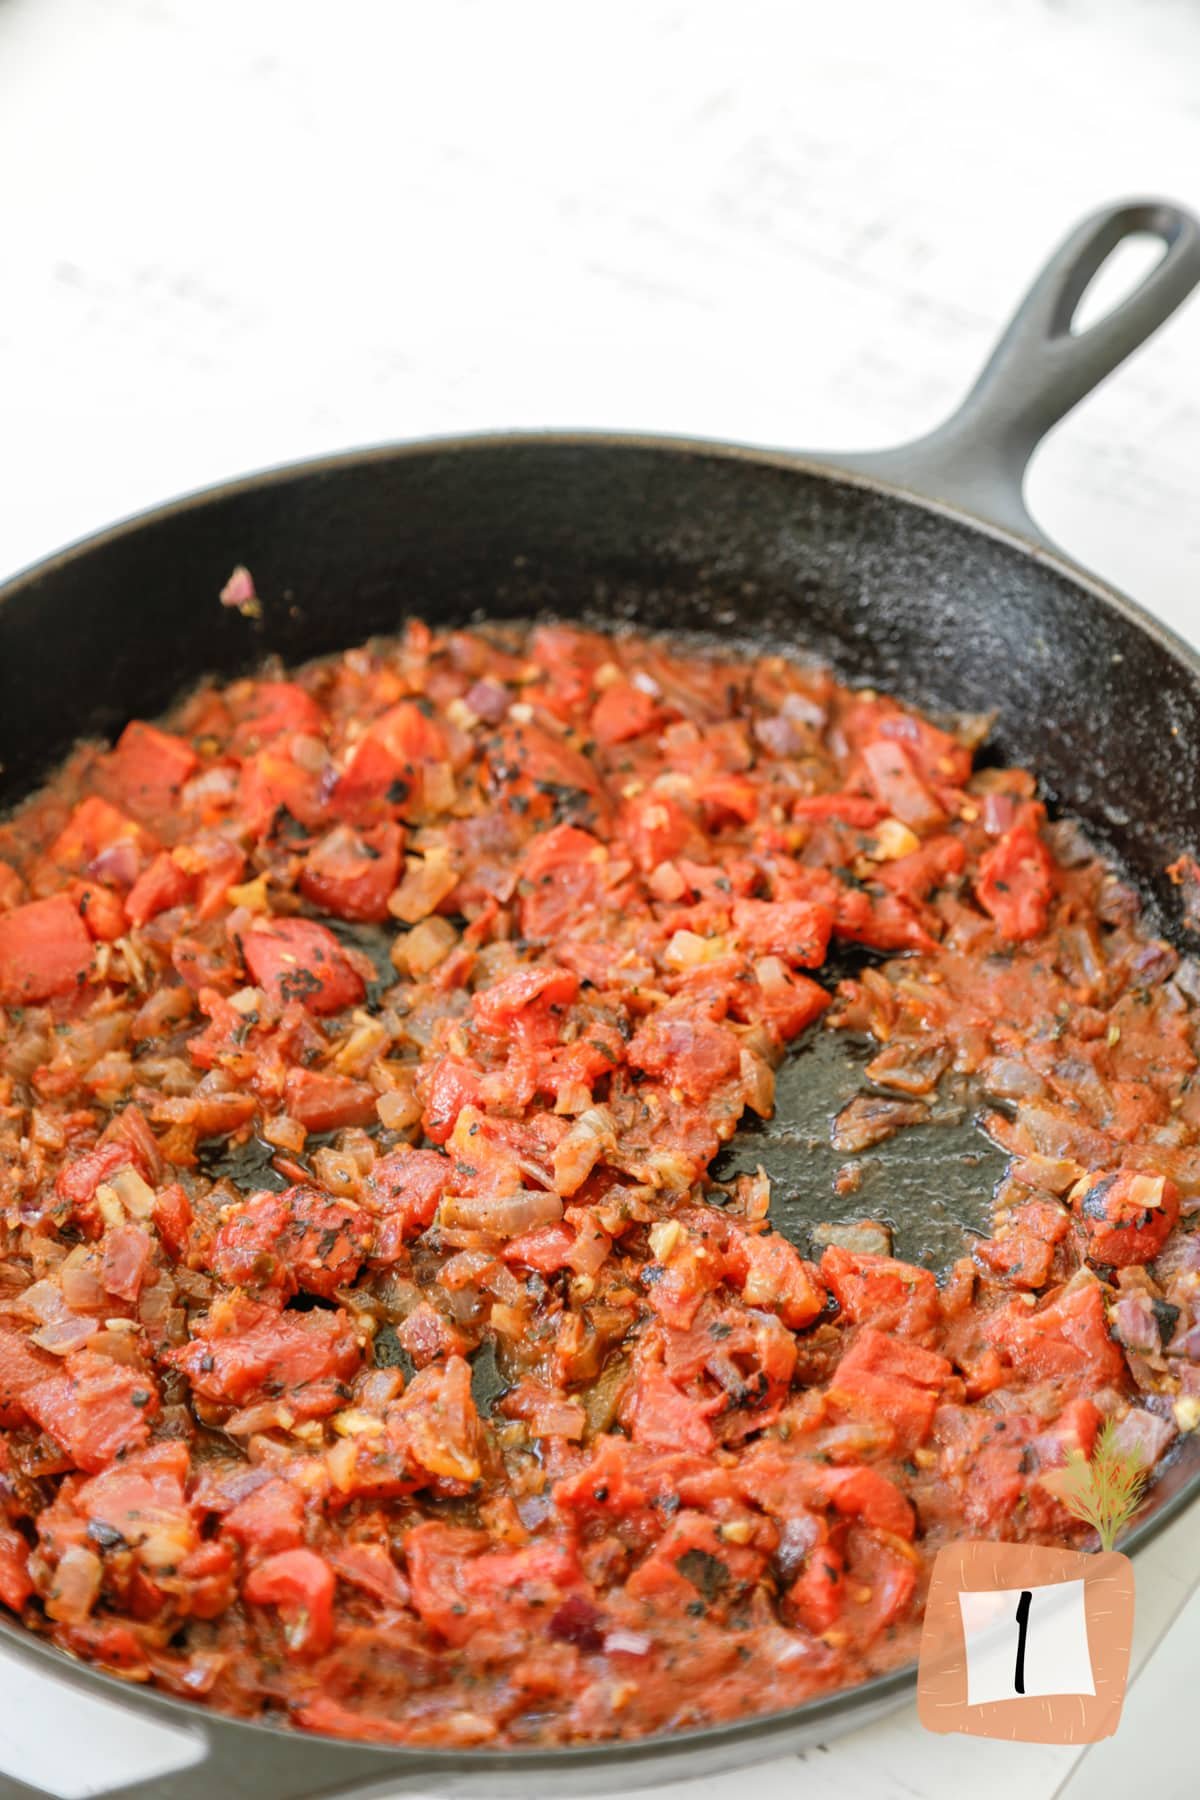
{"x": 1026, "y": 1641}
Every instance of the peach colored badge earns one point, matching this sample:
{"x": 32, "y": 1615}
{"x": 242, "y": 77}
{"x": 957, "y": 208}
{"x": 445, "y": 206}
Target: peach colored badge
{"x": 1025, "y": 1642}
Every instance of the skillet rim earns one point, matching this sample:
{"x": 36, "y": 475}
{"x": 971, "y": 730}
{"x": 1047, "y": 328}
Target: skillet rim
{"x": 880, "y": 1693}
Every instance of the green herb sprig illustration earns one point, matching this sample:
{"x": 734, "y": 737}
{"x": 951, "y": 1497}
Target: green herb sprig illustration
{"x": 1105, "y": 1489}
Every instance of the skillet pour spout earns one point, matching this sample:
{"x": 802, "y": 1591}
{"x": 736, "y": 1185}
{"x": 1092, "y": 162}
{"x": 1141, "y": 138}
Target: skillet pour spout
{"x": 918, "y": 570}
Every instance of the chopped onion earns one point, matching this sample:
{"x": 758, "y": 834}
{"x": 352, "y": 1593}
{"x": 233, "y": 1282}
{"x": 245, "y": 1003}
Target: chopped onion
{"x": 438, "y": 791}
{"x": 398, "y": 1108}
{"x": 758, "y": 1084}
{"x": 76, "y": 1586}
{"x": 687, "y": 950}
{"x": 593, "y": 1136}
{"x": 427, "y": 881}
{"x": 135, "y": 1195}
{"x": 425, "y": 946}
{"x": 506, "y": 1215}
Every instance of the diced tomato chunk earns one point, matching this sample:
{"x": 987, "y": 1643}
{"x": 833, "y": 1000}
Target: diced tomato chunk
{"x": 242, "y": 1348}
{"x": 623, "y": 711}
{"x": 855, "y": 810}
{"x": 156, "y": 889}
{"x": 300, "y": 1240}
{"x": 268, "y": 1520}
{"x": 273, "y": 787}
{"x": 371, "y": 786}
{"x": 893, "y": 1380}
{"x": 173, "y": 1217}
{"x": 272, "y": 708}
{"x": 686, "y": 1051}
{"x": 407, "y": 1186}
{"x": 301, "y": 1585}
{"x": 44, "y": 950}
{"x": 563, "y": 875}
{"x": 1127, "y": 1216}
{"x": 410, "y": 735}
{"x": 94, "y": 1407}
{"x": 296, "y": 959}
{"x": 816, "y": 1595}
{"x": 328, "y": 1102}
{"x": 1016, "y": 885}
{"x": 655, "y": 827}
{"x": 16, "y": 1583}
{"x": 877, "y": 1290}
{"x": 452, "y": 1573}
{"x": 499, "y": 1005}
{"x": 1067, "y": 1338}
{"x": 351, "y": 874}
{"x": 149, "y": 766}
{"x": 797, "y": 930}
{"x": 100, "y": 909}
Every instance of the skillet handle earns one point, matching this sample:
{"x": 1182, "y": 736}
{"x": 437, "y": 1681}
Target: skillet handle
{"x": 234, "y": 1762}
{"x": 1039, "y": 370}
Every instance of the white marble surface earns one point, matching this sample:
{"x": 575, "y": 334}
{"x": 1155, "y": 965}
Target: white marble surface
{"x": 233, "y": 232}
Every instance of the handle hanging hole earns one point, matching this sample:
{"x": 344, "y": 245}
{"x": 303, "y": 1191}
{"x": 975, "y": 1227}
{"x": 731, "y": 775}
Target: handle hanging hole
{"x": 1121, "y": 273}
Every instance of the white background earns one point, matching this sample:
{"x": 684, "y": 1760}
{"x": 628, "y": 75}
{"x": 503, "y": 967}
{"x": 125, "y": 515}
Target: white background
{"x": 234, "y": 232}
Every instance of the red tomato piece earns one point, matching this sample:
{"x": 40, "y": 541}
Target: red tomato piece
{"x": 563, "y": 878}
{"x": 302, "y": 1239}
{"x": 296, "y": 959}
{"x": 1016, "y": 884}
{"x": 243, "y": 1350}
{"x": 407, "y": 1186}
{"x": 272, "y": 708}
{"x": 371, "y": 786}
{"x": 654, "y": 827}
{"x": 44, "y": 950}
{"x": 328, "y": 1102}
{"x": 158, "y": 888}
{"x": 16, "y": 1583}
{"x": 499, "y": 1006}
{"x": 866, "y": 1494}
{"x": 100, "y": 909}
{"x": 301, "y": 1585}
{"x": 797, "y": 930}
{"x": 173, "y": 1218}
{"x": 880, "y": 1586}
{"x": 94, "y": 1408}
{"x": 624, "y": 711}
{"x": 148, "y": 767}
{"x": 445, "y": 1090}
{"x": 880, "y": 1291}
{"x": 856, "y": 810}
{"x": 1127, "y": 1216}
{"x": 268, "y": 1520}
{"x": 816, "y": 1595}
{"x": 273, "y": 788}
{"x": 410, "y": 735}
{"x": 1066, "y": 1338}
{"x": 351, "y": 874}
{"x": 685, "y": 1051}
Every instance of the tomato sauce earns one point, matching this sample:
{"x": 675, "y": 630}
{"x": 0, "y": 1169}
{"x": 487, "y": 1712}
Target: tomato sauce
{"x": 378, "y": 1349}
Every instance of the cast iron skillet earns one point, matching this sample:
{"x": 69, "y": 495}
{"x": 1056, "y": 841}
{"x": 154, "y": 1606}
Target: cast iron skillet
{"x": 918, "y": 570}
